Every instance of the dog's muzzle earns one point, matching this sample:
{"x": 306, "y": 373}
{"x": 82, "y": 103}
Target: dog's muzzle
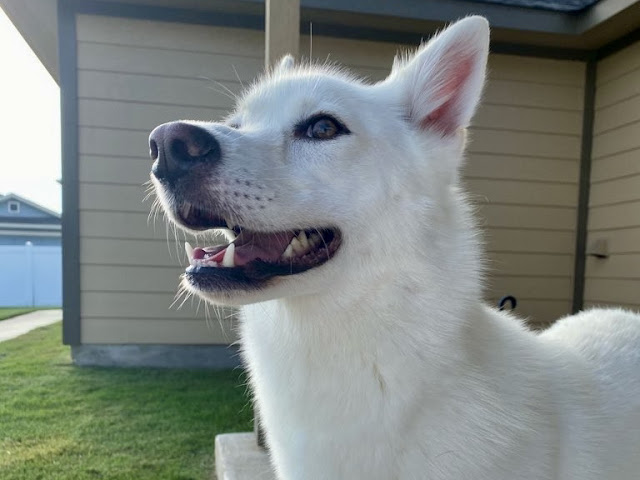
{"x": 186, "y": 158}
{"x": 177, "y": 147}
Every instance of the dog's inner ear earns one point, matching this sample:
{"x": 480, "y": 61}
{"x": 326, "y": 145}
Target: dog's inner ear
{"x": 443, "y": 82}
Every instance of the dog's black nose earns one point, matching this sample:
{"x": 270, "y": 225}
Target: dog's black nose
{"x": 176, "y": 147}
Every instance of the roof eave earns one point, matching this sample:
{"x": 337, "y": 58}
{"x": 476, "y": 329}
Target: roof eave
{"x": 13, "y": 196}
{"x": 605, "y": 22}
{"x": 36, "y": 20}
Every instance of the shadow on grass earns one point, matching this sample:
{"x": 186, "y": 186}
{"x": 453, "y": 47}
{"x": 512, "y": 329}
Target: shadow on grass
{"x": 64, "y": 422}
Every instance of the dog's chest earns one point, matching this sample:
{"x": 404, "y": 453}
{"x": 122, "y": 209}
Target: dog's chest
{"x": 320, "y": 400}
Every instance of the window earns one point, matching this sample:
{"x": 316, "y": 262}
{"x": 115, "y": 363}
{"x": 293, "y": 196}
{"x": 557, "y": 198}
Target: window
{"x": 14, "y": 207}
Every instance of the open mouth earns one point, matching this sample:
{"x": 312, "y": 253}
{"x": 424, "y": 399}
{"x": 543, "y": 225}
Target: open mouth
{"x": 253, "y": 257}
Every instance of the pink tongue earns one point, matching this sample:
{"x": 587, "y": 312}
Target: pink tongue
{"x": 250, "y": 246}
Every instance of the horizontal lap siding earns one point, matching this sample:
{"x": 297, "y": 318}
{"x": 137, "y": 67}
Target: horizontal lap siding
{"x": 522, "y": 171}
{"x": 614, "y": 202}
{"x": 134, "y": 75}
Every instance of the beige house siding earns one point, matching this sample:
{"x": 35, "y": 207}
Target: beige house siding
{"x": 133, "y": 75}
{"x": 614, "y": 206}
{"x": 523, "y": 169}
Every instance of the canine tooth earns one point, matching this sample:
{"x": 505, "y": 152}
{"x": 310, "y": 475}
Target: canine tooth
{"x": 188, "y": 250}
{"x": 304, "y": 241}
{"x": 296, "y": 245}
{"x": 288, "y": 253}
{"x": 230, "y": 225}
{"x": 229, "y": 253}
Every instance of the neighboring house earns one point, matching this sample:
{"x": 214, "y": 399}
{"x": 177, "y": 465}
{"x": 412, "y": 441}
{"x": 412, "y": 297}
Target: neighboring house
{"x": 554, "y": 158}
{"x": 22, "y": 221}
{"x": 30, "y": 254}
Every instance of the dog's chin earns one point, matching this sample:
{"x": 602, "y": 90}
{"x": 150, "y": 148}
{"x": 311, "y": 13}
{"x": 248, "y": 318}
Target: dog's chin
{"x": 277, "y": 287}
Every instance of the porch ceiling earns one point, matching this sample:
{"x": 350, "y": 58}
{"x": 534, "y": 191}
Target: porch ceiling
{"x": 588, "y": 29}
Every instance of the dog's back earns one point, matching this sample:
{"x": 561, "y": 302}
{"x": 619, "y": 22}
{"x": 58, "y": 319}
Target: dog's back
{"x": 609, "y": 343}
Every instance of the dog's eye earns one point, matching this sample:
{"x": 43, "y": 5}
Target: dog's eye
{"x": 321, "y": 127}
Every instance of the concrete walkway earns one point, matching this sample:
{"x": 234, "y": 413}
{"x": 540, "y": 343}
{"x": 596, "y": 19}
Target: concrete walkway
{"x": 238, "y": 457}
{"x": 16, "y": 326}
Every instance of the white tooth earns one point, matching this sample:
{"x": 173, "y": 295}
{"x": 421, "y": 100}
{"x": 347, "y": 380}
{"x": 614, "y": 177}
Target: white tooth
{"x": 288, "y": 253}
{"x": 229, "y": 224}
{"x": 229, "y": 253}
{"x": 188, "y": 250}
{"x": 210, "y": 263}
{"x": 304, "y": 241}
{"x": 297, "y": 246}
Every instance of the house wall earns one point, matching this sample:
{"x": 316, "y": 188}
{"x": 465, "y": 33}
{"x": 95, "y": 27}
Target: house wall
{"x": 614, "y": 206}
{"x": 26, "y": 211}
{"x": 134, "y": 75}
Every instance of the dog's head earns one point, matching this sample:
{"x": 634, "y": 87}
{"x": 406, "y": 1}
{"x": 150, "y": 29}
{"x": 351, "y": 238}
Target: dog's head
{"x": 315, "y": 172}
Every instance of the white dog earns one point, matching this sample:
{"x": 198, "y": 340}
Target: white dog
{"x": 370, "y": 351}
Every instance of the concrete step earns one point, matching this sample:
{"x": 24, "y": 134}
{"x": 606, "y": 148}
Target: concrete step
{"x": 238, "y": 457}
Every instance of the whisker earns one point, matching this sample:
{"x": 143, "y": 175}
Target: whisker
{"x": 179, "y": 294}
{"x": 326, "y": 247}
{"x": 237, "y": 76}
{"x": 226, "y": 90}
{"x": 185, "y": 299}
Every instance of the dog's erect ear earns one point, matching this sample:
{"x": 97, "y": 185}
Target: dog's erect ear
{"x": 443, "y": 81}
{"x": 286, "y": 63}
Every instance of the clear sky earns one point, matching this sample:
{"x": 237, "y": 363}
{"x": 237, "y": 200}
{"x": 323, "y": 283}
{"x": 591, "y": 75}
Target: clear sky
{"x": 29, "y": 122}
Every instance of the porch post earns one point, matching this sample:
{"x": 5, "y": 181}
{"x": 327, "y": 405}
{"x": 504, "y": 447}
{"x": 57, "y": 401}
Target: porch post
{"x": 282, "y": 29}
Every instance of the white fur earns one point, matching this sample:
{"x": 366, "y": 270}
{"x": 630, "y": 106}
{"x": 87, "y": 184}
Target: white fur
{"x": 384, "y": 363}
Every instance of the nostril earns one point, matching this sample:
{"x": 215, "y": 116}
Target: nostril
{"x": 179, "y": 150}
{"x": 188, "y": 144}
{"x": 153, "y": 149}
{"x": 194, "y": 142}
{"x": 176, "y": 147}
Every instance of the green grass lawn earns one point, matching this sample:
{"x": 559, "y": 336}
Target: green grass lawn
{"x": 12, "y": 312}
{"x": 58, "y": 421}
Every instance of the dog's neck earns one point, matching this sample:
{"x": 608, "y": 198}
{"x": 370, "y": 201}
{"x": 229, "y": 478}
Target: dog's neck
{"x": 419, "y": 299}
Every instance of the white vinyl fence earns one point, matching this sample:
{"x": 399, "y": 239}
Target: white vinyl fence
{"x": 30, "y": 276}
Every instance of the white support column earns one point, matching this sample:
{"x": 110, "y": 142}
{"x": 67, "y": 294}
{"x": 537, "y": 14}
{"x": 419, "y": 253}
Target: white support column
{"x": 282, "y": 29}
